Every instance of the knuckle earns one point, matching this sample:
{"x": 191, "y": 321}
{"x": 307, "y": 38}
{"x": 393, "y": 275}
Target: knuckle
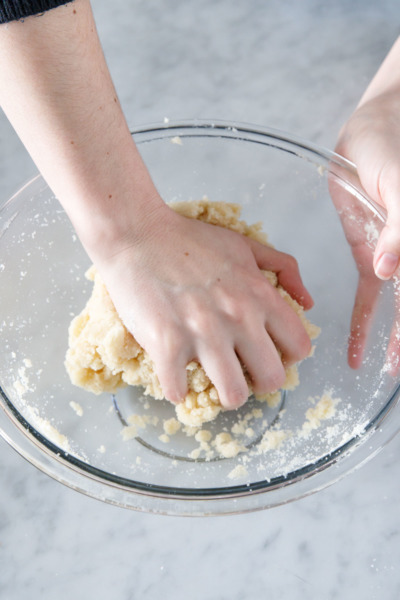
{"x": 235, "y": 310}
{"x": 168, "y": 340}
{"x": 291, "y": 262}
{"x": 199, "y": 322}
{"x": 264, "y": 289}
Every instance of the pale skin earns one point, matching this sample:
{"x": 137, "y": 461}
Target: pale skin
{"x": 186, "y": 290}
{"x": 371, "y": 139}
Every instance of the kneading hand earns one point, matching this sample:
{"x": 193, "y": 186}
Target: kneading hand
{"x": 189, "y": 290}
{"x": 184, "y": 289}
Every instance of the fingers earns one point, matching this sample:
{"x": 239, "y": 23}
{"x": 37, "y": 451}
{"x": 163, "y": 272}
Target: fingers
{"x": 288, "y": 333}
{"x": 287, "y": 270}
{"x": 247, "y": 323}
{"x": 393, "y": 349}
{"x": 262, "y": 362}
{"x": 173, "y": 380}
{"x": 225, "y": 371}
{"x": 366, "y": 300}
{"x": 263, "y": 344}
{"x": 170, "y": 359}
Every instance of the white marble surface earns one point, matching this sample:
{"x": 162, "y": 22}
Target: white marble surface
{"x": 297, "y": 66}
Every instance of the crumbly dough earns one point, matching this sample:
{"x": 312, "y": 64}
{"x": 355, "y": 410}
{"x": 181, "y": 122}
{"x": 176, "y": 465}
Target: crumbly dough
{"x": 238, "y": 472}
{"x": 103, "y": 356}
{"x": 324, "y": 409}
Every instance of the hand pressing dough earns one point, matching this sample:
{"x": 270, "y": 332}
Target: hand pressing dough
{"x": 103, "y": 356}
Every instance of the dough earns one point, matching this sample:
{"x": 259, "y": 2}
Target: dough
{"x": 103, "y": 356}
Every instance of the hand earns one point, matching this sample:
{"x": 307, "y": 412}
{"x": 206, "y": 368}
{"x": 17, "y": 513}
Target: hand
{"x": 184, "y": 289}
{"x": 189, "y": 290}
{"x": 368, "y": 140}
{"x": 360, "y": 230}
{"x": 371, "y": 139}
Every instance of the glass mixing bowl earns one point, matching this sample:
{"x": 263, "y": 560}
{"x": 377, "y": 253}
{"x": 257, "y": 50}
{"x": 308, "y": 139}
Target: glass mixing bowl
{"x": 312, "y": 206}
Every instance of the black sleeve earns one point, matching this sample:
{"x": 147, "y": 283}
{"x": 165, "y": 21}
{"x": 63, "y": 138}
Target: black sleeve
{"x": 13, "y": 10}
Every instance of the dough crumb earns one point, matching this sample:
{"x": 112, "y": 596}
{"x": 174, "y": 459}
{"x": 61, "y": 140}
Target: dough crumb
{"x": 129, "y": 432}
{"x": 203, "y": 436}
{"x": 238, "y": 472}
{"x": 177, "y": 140}
{"x": 226, "y": 446}
{"x": 77, "y": 408}
{"x": 135, "y": 423}
{"x": 48, "y": 430}
{"x": 324, "y": 409}
{"x": 171, "y": 426}
{"x": 272, "y": 439}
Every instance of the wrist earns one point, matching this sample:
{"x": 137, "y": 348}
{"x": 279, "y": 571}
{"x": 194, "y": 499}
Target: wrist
{"x": 124, "y": 221}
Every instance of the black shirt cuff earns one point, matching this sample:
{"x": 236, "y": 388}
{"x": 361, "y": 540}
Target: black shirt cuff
{"x": 14, "y": 10}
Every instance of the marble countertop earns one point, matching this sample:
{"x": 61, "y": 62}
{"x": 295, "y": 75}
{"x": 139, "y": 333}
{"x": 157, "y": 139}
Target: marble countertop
{"x": 296, "y": 66}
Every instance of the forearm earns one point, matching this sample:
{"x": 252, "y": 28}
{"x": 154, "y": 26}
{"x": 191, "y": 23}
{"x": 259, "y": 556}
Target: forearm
{"x": 387, "y": 78}
{"x": 57, "y": 92}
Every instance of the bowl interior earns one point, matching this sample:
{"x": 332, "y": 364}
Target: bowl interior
{"x": 300, "y": 195}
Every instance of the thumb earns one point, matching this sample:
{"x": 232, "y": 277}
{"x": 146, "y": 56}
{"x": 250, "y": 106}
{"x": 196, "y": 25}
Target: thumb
{"x": 286, "y": 268}
{"x": 387, "y": 252}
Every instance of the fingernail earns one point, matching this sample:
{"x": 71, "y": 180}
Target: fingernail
{"x": 386, "y": 265}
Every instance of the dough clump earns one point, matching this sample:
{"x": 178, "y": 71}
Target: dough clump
{"x": 104, "y": 357}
